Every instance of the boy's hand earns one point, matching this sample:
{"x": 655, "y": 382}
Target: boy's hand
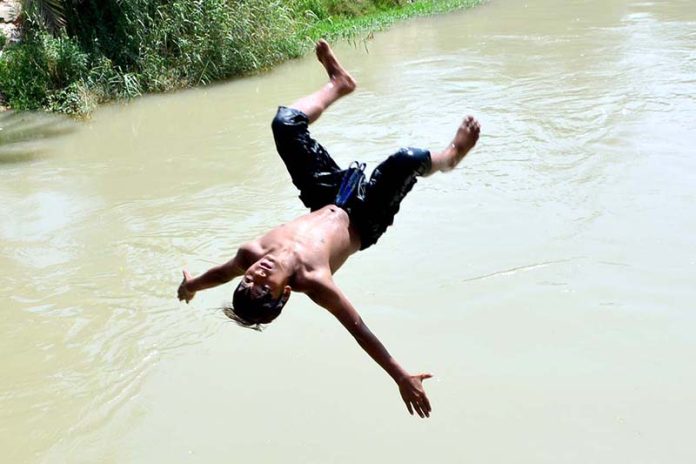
{"x": 413, "y": 394}
{"x": 183, "y": 292}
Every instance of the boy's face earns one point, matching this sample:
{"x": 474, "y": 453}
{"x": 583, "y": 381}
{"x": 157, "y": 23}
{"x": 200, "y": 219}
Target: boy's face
{"x": 265, "y": 276}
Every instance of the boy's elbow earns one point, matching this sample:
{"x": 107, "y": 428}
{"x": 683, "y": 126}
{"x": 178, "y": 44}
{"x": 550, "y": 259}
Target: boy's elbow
{"x": 226, "y": 275}
{"x": 220, "y": 275}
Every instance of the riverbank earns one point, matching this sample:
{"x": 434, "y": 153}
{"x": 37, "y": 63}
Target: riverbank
{"x": 9, "y": 13}
{"x": 121, "y": 50}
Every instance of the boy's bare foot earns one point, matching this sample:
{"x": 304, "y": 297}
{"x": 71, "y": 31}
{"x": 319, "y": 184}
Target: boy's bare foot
{"x": 466, "y": 137}
{"x": 464, "y": 140}
{"x": 343, "y": 81}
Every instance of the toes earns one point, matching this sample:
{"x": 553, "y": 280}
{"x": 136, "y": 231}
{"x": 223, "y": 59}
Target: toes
{"x": 472, "y": 124}
{"x": 322, "y": 50}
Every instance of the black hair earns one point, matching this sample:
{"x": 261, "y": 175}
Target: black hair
{"x": 251, "y": 312}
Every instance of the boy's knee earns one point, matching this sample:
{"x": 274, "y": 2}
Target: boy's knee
{"x": 280, "y": 121}
{"x": 411, "y": 159}
{"x": 287, "y": 118}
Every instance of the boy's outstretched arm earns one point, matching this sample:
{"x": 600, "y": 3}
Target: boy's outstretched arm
{"x": 213, "y": 277}
{"x": 326, "y": 294}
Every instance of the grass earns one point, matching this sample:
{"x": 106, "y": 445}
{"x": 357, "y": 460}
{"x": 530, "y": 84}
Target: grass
{"x": 351, "y": 27}
{"x": 118, "y": 49}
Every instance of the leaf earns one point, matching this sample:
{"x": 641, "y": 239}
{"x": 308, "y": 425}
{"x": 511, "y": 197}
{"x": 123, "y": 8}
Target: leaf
{"x": 51, "y": 13}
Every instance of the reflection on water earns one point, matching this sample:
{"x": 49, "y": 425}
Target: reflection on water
{"x": 549, "y": 287}
{"x": 23, "y": 136}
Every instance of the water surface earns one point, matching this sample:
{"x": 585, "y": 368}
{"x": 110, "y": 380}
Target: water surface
{"x": 548, "y": 282}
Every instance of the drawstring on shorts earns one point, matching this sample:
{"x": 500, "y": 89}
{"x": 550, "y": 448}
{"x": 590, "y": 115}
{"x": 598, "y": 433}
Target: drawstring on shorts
{"x": 351, "y": 183}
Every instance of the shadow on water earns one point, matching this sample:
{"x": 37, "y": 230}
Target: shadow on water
{"x": 26, "y": 136}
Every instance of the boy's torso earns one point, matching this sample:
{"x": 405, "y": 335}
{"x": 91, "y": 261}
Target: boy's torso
{"x": 321, "y": 241}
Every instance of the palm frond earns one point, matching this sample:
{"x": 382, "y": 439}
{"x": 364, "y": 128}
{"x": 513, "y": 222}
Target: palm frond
{"x": 50, "y": 12}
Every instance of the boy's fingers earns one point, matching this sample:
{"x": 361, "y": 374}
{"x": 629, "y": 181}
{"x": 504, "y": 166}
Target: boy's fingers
{"x": 426, "y": 411}
{"x": 424, "y": 406}
{"x": 408, "y": 406}
{"x": 426, "y": 402}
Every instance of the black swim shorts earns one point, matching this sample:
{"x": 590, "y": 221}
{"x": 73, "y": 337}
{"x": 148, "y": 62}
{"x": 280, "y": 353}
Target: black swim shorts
{"x": 318, "y": 177}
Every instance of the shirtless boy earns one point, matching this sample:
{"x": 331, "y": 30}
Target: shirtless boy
{"x": 303, "y": 255}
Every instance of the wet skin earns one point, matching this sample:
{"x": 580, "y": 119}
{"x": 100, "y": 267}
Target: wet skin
{"x": 297, "y": 253}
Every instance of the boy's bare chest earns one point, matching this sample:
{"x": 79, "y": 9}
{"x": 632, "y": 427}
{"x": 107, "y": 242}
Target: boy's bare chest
{"x": 319, "y": 239}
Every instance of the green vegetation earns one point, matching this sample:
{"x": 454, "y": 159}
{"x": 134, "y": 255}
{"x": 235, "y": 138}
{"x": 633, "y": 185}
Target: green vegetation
{"x": 75, "y": 54}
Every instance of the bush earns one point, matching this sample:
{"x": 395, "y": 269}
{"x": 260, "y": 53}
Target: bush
{"x": 33, "y": 70}
{"x": 75, "y": 99}
{"x": 122, "y": 48}
{"x": 22, "y": 79}
{"x": 309, "y": 9}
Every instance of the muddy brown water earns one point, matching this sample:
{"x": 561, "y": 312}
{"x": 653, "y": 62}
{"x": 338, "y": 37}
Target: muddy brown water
{"x": 548, "y": 283}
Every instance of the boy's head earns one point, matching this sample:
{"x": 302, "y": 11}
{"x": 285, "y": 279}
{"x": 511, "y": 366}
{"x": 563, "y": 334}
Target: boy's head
{"x": 260, "y": 296}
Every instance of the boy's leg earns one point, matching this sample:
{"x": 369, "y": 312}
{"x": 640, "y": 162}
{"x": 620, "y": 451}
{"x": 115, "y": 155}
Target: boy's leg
{"x": 395, "y": 177}
{"x": 307, "y": 161}
{"x": 341, "y": 83}
{"x": 464, "y": 140}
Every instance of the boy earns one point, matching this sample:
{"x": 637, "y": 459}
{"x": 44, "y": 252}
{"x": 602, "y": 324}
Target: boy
{"x": 348, "y": 213}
